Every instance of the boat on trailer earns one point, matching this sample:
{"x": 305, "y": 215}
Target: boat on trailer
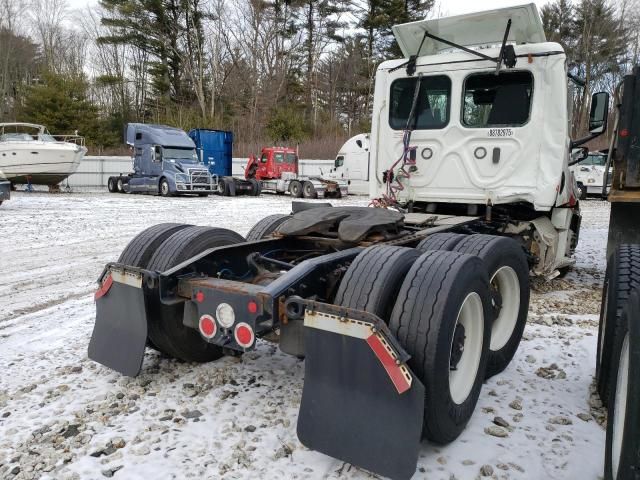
{"x": 30, "y": 154}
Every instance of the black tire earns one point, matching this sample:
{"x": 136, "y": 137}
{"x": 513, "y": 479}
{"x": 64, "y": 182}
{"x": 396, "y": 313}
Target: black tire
{"x": 440, "y": 241}
{"x": 139, "y": 250}
{"x": 203, "y": 194}
{"x": 120, "y": 185}
{"x": 224, "y": 187}
{"x": 256, "y": 188}
{"x": 308, "y": 190}
{"x": 622, "y": 460}
{"x": 112, "y": 185}
{"x": 372, "y": 281}
{"x": 142, "y": 247}
{"x": 508, "y": 272}
{"x": 582, "y": 191}
{"x": 295, "y": 189}
{"x": 621, "y": 277}
{"x": 266, "y": 226}
{"x": 163, "y": 188}
{"x": 425, "y": 322}
{"x": 167, "y": 331}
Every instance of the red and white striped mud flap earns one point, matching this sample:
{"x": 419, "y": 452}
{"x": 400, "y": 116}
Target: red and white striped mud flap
{"x": 360, "y": 401}
{"x": 120, "y": 332}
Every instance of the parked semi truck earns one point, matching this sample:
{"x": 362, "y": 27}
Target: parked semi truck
{"x": 276, "y": 170}
{"x": 352, "y": 160}
{"x": 590, "y": 174}
{"x": 402, "y": 311}
{"x": 165, "y": 163}
{"x": 618, "y": 354}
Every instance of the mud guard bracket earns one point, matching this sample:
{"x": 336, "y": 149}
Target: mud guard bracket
{"x": 360, "y": 401}
{"x": 120, "y": 332}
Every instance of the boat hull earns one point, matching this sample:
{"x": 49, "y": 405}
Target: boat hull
{"x": 41, "y": 163}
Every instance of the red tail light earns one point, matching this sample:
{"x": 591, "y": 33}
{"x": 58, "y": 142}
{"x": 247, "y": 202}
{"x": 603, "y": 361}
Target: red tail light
{"x": 244, "y": 335}
{"x": 252, "y": 306}
{"x": 208, "y": 327}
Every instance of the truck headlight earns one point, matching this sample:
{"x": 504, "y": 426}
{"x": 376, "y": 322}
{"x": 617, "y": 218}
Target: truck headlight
{"x": 225, "y": 315}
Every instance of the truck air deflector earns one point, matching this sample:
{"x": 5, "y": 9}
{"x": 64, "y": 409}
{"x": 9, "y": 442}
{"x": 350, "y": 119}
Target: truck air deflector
{"x": 360, "y": 402}
{"x": 472, "y": 29}
{"x": 120, "y": 333}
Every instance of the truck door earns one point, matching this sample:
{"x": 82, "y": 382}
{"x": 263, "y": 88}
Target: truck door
{"x": 263, "y": 166}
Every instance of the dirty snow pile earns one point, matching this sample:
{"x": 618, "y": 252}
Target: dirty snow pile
{"x": 63, "y": 416}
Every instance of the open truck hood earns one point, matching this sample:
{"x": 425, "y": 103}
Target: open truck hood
{"x": 472, "y": 29}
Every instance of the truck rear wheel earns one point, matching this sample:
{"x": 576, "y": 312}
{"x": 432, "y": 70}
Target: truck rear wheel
{"x": 308, "y": 190}
{"x": 508, "y": 272}
{"x": 442, "y": 318}
{"x": 373, "y": 279}
{"x": 623, "y": 420}
{"x": 266, "y": 226}
{"x": 120, "y": 185}
{"x": 112, "y": 186}
{"x": 440, "y": 241}
{"x": 139, "y": 250}
{"x": 295, "y": 189}
{"x": 621, "y": 277}
{"x": 255, "y": 187}
{"x": 166, "y": 330}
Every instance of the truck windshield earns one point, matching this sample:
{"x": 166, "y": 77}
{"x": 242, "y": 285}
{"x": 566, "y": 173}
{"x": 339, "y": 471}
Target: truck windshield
{"x": 597, "y": 160}
{"x": 179, "y": 154}
{"x": 502, "y": 100}
{"x": 432, "y": 109}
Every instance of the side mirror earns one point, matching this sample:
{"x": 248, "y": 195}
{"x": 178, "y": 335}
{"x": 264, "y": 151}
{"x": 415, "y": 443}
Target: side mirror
{"x": 578, "y": 154}
{"x": 599, "y": 112}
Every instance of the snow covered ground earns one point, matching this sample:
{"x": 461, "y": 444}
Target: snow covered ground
{"x": 63, "y": 416}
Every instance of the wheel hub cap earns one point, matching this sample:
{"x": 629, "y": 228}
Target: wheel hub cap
{"x": 457, "y": 348}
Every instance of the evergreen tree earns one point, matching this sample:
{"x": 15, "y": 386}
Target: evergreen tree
{"x": 61, "y": 103}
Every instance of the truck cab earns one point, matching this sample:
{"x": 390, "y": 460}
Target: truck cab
{"x": 352, "y": 160}
{"x": 589, "y": 174}
{"x": 165, "y": 161}
{"x": 481, "y": 137}
{"x": 273, "y": 162}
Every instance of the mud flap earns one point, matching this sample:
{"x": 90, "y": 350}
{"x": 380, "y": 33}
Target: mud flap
{"x": 120, "y": 332}
{"x": 360, "y": 402}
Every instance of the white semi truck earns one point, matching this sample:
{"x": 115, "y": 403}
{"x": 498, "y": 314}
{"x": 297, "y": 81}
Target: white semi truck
{"x": 401, "y": 312}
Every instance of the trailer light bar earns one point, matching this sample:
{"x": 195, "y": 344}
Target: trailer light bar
{"x": 225, "y": 315}
{"x": 207, "y": 326}
{"x": 244, "y": 335}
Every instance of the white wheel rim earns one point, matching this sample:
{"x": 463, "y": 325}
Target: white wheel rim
{"x": 165, "y": 187}
{"x": 462, "y": 379}
{"x": 620, "y": 406}
{"x": 506, "y": 281}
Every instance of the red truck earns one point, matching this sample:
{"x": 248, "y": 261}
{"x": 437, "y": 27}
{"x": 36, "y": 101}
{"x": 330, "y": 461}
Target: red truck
{"x": 276, "y": 170}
